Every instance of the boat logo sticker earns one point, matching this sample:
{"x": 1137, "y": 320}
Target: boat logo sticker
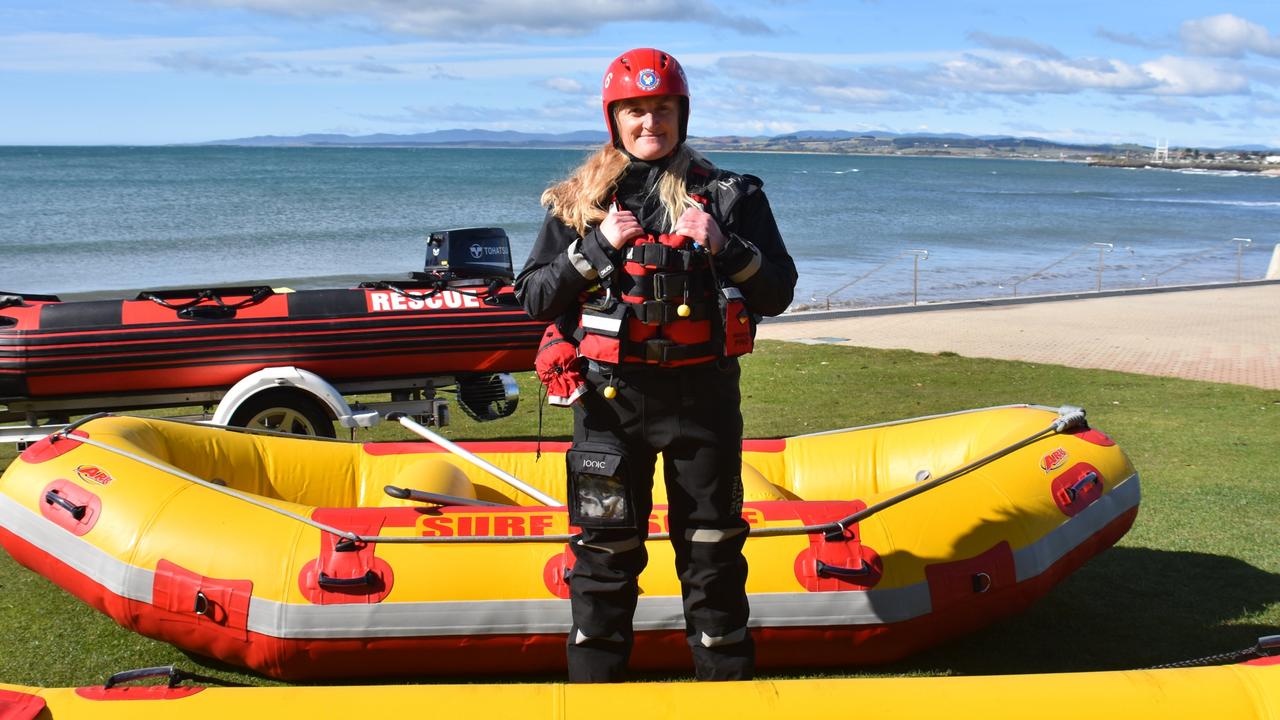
{"x": 387, "y": 301}
{"x": 1053, "y": 460}
{"x": 94, "y": 474}
{"x": 647, "y": 79}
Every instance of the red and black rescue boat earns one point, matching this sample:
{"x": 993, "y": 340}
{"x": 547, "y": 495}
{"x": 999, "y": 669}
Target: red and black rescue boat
{"x": 450, "y": 319}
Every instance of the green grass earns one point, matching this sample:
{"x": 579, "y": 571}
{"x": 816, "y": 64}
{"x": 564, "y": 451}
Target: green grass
{"x": 1198, "y": 574}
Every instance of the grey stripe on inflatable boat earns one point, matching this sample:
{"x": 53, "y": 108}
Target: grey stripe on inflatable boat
{"x": 1035, "y": 558}
{"x": 665, "y": 613}
{"x": 112, "y": 573}
{"x": 473, "y": 617}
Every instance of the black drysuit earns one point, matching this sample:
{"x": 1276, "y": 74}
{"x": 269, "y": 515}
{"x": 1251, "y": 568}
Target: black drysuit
{"x": 691, "y": 414}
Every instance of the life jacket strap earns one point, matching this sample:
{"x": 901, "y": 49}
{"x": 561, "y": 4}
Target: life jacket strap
{"x": 670, "y": 286}
{"x": 659, "y": 256}
{"x": 663, "y": 350}
{"x": 656, "y": 312}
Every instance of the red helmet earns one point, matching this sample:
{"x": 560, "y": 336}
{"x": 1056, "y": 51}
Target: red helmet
{"x": 644, "y": 72}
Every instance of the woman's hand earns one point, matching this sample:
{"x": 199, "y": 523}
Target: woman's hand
{"x": 703, "y": 228}
{"x": 619, "y": 227}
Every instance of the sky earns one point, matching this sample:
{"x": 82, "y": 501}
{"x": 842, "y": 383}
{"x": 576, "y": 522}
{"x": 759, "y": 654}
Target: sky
{"x": 138, "y": 72}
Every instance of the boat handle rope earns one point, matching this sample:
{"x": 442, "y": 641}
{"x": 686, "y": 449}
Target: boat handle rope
{"x": 1266, "y": 646}
{"x": 1069, "y": 418}
{"x": 258, "y": 295}
{"x": 488, "y": 291}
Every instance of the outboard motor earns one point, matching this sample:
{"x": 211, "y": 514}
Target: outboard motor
{"x": 470, "y": 253}
{"x": 488, "y": 397}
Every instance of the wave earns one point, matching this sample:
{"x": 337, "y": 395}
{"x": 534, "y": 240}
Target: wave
{"x": 1195, "y": 201}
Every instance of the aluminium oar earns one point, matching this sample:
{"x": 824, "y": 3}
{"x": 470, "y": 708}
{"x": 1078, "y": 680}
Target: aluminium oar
{"x": 470, "y": 457}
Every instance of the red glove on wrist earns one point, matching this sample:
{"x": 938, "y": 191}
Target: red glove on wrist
{"x": 557, "y": 366}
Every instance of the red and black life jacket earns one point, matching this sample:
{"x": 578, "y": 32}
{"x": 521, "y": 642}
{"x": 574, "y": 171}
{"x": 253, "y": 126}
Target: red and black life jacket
{"x": 667, "y": 307}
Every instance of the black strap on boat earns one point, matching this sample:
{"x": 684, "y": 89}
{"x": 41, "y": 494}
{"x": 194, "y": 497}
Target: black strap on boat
{"x": 1266, "y": 646}
{"x": 488, "y": 292}
{"x": 369, "y": 579}
{"x": 195, "y": 309}
{"x": 174, "y": 676}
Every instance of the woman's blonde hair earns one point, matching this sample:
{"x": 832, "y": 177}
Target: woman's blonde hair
{"x": 582, "y": 200}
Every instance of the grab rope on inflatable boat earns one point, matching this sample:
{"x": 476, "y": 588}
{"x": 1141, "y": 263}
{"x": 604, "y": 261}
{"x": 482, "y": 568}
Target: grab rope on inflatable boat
{"x": 1266, "y": 646}
{"x": 490, "y": 289}
{"x": 1069, "y": 418}
{"x": 219, "y": 310}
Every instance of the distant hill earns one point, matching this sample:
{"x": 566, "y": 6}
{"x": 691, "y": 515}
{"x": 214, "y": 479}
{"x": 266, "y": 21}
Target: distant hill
{"x": 802, "y": 140}
{"x": 504, "y": 138}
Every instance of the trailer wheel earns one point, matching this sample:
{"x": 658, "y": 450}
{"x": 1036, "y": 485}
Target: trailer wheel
{"x": 286, "y": 411}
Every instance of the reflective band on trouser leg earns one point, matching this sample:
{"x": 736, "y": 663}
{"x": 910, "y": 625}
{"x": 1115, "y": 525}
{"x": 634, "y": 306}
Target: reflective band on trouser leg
{"x": 581, "y": 638}
{"x": 732, "y": 638}
{"x": 616, "y": 546}
{"x": 712, "y": 535}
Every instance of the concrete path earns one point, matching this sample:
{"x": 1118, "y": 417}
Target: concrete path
{"x": 1228, "y": 334}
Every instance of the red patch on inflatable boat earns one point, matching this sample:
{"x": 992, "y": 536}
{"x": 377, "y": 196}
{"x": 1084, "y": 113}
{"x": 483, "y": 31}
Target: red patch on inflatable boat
{"x": 143, "y": 692}
{"x": 1076, "y": 488}
{"x": 349, "y": 573}
{"x": 834, "y": 565}
{"x": 955, "y": 584}
{"x": 555, "y": 574}
{"x": 61, "y": 501}
{"x": 94, "y": 474}
{"x": 1096, "y": 437}
{"x": 214, "y": 606}
{"x": 51, "y": 447}
{"x": 19, "y": 705}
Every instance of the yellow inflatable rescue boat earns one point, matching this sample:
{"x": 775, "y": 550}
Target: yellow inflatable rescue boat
{"x": 313, "y": 558}
{"x": 1247, "y": 691}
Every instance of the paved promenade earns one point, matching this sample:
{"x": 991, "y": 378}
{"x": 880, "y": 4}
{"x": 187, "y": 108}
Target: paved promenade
{"x": 1228, "y": 334}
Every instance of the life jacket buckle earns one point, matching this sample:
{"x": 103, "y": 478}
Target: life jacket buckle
{"x": 670, "y": 286}
{"x": 656, "y": 349}
{"x": 604, "y": 304}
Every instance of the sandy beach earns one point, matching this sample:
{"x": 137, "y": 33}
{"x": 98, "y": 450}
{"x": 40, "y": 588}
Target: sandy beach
{"x": 1225, "y": 333}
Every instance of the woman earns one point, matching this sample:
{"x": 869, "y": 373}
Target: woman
{"x": 656, "y": 263}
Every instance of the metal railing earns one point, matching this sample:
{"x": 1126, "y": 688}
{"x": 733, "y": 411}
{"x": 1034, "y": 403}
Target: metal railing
{"x": 918, "y": 255}
{"x": 1241, "y": 244}
{"x": 1101, "y": 247}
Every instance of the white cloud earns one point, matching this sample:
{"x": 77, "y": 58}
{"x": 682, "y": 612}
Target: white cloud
{"x": 1131, "y": 39}
{"x": 565, "y": 85}
{"x": 1010, "y": 74}
{"x": 76, "y": 52}
{"x": 186, "y": 61}
{"x": 1191, "y": 76}
{"x": 1015, "y": 44}
{"x": 460, "y": 19}
{"x": 1228, "y": 36}
{"x": 1175, "y": 109}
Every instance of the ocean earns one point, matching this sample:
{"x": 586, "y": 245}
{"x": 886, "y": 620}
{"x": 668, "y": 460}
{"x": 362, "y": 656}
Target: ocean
{"x": 122, "y": 219}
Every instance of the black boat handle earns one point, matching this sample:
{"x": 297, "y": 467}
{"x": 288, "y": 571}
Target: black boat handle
{"x": 175, "y": 675}
{"x": 1069, "y": 493}
{"x": 369, "y": 579}
{"x": 53, "y": 498}
{"x": 843, "y": 573}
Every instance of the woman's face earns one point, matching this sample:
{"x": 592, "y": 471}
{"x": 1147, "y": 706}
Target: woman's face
{"x": 648, "y": 126}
